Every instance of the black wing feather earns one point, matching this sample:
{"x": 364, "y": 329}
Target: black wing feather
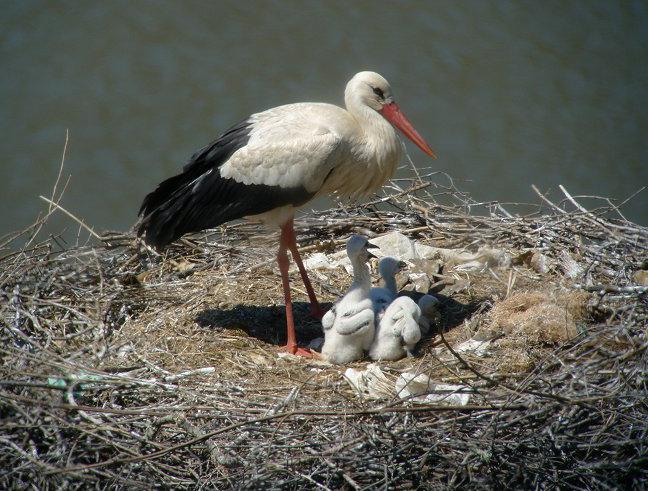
{"x": 208, "y": 157}
{"x": 199, "y": 198}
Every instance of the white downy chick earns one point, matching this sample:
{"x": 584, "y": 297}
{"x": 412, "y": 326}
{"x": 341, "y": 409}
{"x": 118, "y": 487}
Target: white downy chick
{"x": 381, "y": 297}
{"x": 349, "y": 326}
{"x": 398, "y": 331}
{"x": 429, "y": 306}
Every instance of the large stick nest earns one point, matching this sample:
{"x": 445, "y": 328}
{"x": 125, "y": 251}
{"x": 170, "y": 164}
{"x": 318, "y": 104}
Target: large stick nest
{"x": 124, "y": 368}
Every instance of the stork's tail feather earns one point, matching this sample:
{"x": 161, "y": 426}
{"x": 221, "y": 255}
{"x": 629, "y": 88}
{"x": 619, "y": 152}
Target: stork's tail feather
{"x": 165, "y": 211}
{"x": 200, "y": 198}
{"x": 162, "y": 225}
{"x": 185, "y": 203}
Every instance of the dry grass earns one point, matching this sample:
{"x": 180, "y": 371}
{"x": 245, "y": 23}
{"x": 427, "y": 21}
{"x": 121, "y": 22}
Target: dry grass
{"x": 122, "y": 368}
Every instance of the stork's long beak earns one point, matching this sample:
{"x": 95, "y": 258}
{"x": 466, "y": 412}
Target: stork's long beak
{"x": 371, "y": 247}
{"x": 392, "y": 113}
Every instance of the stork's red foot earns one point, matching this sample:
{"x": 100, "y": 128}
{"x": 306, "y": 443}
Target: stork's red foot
{"x": 296, "y": 350}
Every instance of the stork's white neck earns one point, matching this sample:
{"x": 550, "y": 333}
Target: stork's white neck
{"x": 361, "y": 278}
{"x": 390, "y": 283}
{"x": 380, "y": 146}
{"x": 377, "y": 129}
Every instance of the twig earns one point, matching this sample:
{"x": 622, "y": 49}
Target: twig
{"x": 60, "y": 171}
{"x": 587, "y": 213}
{"x": 603, "y": 289}
{"x": 546, "y": 200}
{"x": 78, "y": 220}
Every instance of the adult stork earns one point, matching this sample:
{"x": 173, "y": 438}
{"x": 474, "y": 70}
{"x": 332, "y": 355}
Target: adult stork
{"x": 277, "y": 160}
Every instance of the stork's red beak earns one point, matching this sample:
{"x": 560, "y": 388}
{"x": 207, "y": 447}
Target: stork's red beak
{"x": 392, "y": 113}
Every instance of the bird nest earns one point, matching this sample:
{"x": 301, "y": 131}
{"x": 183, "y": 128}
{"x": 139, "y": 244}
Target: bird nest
{"x": 124, "y": 368}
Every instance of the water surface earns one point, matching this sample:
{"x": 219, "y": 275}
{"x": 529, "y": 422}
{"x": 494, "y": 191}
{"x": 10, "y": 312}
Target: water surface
{"x": 507, "y": 93}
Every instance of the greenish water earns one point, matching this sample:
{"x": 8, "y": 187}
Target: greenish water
{"x": 507, "y": 93}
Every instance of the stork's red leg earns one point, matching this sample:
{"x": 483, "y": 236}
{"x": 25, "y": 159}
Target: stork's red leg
{"x": 282, "y": 261}
{"x": 288, "y": 234}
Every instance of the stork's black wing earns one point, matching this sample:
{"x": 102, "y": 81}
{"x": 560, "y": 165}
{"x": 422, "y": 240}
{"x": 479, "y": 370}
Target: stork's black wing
{"x": 200, "y": 198}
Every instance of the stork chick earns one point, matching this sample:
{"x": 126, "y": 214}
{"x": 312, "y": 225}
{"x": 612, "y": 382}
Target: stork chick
{"x": 398, "y": 331}
{"x": 381, "y": 297}
{"x": 429, "y": 306}
{"x": 349, "y": 326}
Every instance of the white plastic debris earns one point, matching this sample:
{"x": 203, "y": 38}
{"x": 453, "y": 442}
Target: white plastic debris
{"x": 397, "y": 245}
{"x": 319, "y": 260}
{"x": 411, "y": 384}
{"x": 482, "y": 259}
{"x": 539, "y": 263}
{"x": 284, "y": 355}
{"x": 370, "y": 383}
{"x": 569, "y": 265}
{"x": 420, "y": 388}
{"x": 452, "y": 395}
{"x": 124, "y": 350}
{"x": 421, "y": 282}
{"x": 473, "y": 346}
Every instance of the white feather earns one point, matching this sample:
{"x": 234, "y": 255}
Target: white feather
{"x": 398, "y": 330}
{"x": 429, "y": 306}
{"x": 383, "y": 296}
{"x": 349, "y": 326}
{"x": 321, "y": 147}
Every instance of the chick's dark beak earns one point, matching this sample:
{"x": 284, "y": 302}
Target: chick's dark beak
{"x": 371, "y": 247}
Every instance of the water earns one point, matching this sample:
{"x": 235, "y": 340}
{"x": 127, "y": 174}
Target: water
{"x": 507, "y": 93}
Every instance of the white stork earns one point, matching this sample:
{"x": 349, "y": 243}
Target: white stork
{"x": 278, "y": 160}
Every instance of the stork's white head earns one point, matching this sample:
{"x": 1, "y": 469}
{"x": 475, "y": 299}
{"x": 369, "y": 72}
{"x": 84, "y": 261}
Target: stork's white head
{"x": 389, "y": 266}
{"x": 371, "y": 90}
{"x": 358, "y": 248}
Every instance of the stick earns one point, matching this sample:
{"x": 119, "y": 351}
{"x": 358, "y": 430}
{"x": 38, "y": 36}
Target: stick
{"x": 58, "y": 177}
{"x": 546, "y": 200}
{"x": 73, "y": 217}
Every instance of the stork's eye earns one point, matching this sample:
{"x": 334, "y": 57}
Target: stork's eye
{"x": 379, "y": 92}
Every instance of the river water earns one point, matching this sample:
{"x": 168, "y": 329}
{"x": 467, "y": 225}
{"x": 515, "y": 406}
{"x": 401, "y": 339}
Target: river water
{"x": 508, "y": 94}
